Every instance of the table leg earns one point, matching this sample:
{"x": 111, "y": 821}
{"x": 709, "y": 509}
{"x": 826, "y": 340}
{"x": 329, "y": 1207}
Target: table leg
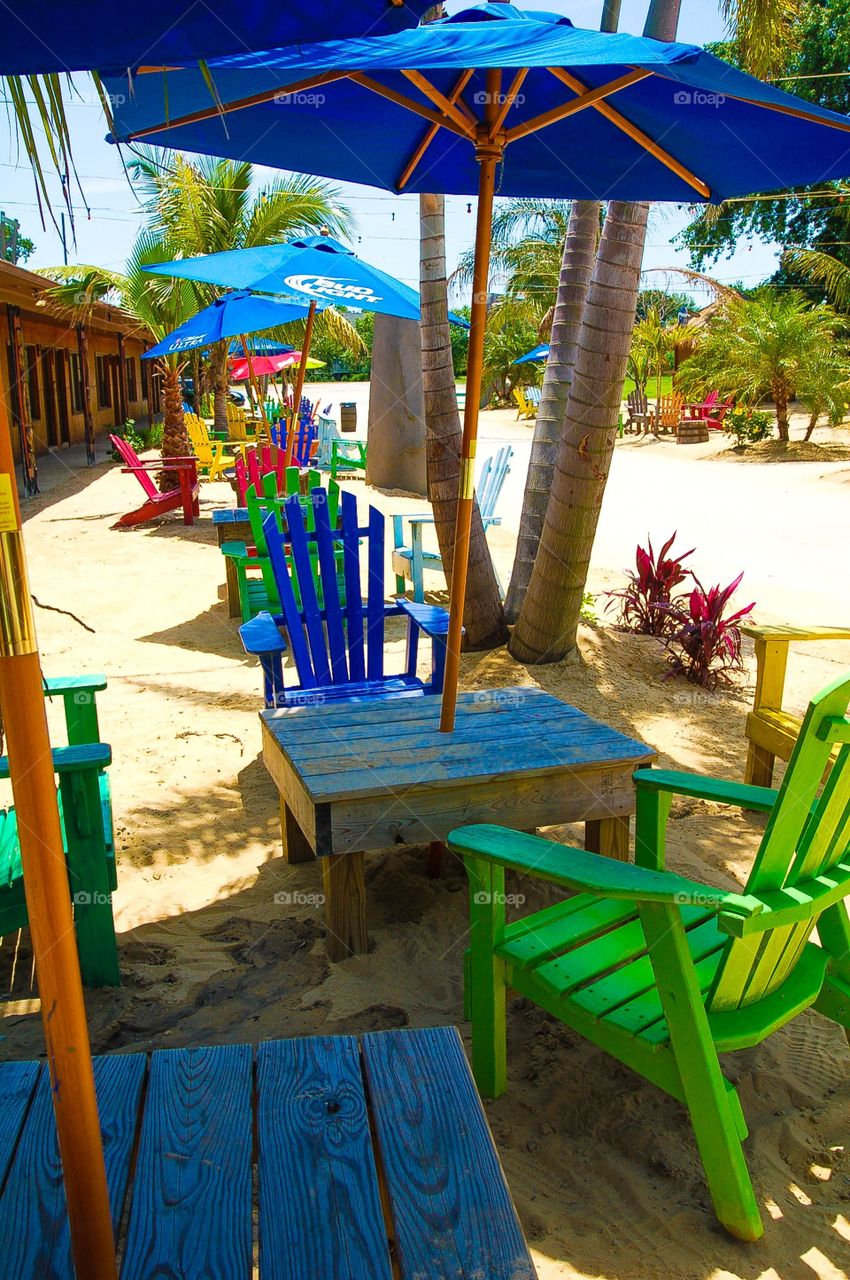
{"x": 231, "y": 588}
{"x": 296, "y": 846}
{"x": 344, "y": 884}
{"x": 609, "y": 836}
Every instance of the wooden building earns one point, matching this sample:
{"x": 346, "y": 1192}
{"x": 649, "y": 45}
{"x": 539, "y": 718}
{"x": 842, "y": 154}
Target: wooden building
{"x": 62, "y": 381}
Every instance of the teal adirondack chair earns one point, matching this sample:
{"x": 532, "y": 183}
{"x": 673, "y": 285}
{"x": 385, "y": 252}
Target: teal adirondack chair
{"x": 665, "y": 973}
{"x": 257, "y": 589}
{"x": 411, "y": 560}
{"x": 85, "y": 811}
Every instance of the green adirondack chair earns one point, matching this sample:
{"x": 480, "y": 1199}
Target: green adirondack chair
{"x": 254, "y": 576}
{"x": 85, "y": 812}
{"x": 665, "y": 973}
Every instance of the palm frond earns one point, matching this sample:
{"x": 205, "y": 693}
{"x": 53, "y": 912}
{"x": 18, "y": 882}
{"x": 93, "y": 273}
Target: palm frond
{"x": 764, "y": 32}
{"x": 824, "y": 270}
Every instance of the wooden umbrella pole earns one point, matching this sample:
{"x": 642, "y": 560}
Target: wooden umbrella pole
{"x": 47, "y": 897}
{"x": 299, "y": 381}
{"x": 488, "y": 156}
{"x": 254, "y": 386}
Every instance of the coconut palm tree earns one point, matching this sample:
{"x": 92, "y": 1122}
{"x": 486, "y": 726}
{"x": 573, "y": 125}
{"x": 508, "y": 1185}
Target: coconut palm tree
{"x": 774, "y": 345}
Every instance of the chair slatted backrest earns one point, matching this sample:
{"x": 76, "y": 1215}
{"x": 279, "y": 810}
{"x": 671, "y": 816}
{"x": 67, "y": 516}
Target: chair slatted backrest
{"x": 637, "y": 402}
{"x": 270, "y": 498}
{"x": 326, "y": 633}
{"x": 670, "y": 409}
{"x": 807, "y": 837}
{"x": 131, "y": 459}
{"x": 241, "y": 480}
{"x": 493, "y": 475}
{"x": 199, "y": 438}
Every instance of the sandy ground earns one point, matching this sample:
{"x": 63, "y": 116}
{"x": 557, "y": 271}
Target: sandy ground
{"x": 602, "y": 1166}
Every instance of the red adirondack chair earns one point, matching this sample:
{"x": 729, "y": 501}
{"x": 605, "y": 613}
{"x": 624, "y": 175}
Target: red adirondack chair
{"x": 156, "y": 503}
{"x": 705, "y": 407}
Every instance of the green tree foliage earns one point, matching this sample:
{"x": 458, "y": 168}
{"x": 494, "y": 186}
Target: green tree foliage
{"x": 820, "y": 47}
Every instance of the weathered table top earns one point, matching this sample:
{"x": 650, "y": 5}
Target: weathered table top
{"x": 372, "y": 1160}
{"x": 331, "y": 761}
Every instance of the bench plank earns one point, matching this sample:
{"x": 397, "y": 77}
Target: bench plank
{"x": 33, "y": 1214}
{"x": 320, "y": 1211}
{"x": 17, "y": 1084}
{"x": 191, "y": 1210}
{"x": 452, "y": 1210}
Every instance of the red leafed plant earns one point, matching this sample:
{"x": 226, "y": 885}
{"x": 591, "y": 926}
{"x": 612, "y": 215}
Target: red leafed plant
{"x": 704, "y": 645}
{"x": 647, "y": 603}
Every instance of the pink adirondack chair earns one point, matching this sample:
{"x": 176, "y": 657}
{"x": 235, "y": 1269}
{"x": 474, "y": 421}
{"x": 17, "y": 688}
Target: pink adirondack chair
{"x": 717, "y": 415}
{"x": 156, "y": 503}
{"x": 705, "y": 407}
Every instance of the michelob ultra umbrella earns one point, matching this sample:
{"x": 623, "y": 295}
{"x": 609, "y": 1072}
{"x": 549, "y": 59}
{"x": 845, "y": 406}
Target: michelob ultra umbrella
{"x": 496, "y": 99}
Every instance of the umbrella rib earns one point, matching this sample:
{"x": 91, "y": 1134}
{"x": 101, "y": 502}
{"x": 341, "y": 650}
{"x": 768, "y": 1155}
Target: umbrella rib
{"x": 430, "y": 134}
{"x": 637, "y": 135}
{"x": 240, "y": 104}
{"x": 508, "y": 102}
{"x": 580, "y": 103}
{"x": 784, "y": 110}
{"x": 460, "y": 113}
{"x": 401, "y": 100}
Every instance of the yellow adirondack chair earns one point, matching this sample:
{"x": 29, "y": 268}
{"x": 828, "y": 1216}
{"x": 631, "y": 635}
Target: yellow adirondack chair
{"x": 240, "y": 429}
{"x": 525, "y": 408}
{"x": 770, "y": 731}
{"x": 668, "y": 412}
{"x": 214, "y": 456}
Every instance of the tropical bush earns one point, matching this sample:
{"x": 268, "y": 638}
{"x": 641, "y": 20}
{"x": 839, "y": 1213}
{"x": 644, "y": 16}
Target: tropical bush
{"x": 645, "y": 603}
{"x": 747, "y": 426}
{"x": 704, "y": 645}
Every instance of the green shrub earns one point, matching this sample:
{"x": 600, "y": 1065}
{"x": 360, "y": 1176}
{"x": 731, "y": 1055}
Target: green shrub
{"x": 154, "y": 435}
{"x": 747, "y": 426}
{"x": 129, "y": 433}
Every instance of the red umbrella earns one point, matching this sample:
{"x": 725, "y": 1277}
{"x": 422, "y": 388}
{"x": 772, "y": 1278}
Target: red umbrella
{"x": 266, "y": 365}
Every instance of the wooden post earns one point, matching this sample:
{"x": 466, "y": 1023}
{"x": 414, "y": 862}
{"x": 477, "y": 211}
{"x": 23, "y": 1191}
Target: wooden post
{"x": 299, "y": 382}
{"x": 85, "y": 383}
{"x": 23, "y": 409}
{"x": 123, "y": 404}
{"x": 48, "y": 899}
{"x": 253, "y": 382}
{"x": 488, "y": 154}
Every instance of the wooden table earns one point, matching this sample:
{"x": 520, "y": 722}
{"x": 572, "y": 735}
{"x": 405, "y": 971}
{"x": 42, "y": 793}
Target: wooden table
{"x": 372, "y": 774}
{"x": 325, "y": 1158}
{"x": 232, "y": 525}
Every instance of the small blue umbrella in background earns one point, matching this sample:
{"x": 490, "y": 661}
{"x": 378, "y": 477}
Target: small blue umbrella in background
{"x": 319, "y": 268}
{"x": 536, "y": 353}
{"x": 233, "y": 315}
{"x": 497, "y": 97}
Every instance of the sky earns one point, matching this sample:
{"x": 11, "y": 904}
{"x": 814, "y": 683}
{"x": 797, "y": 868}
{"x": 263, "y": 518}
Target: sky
{"x": 387, "y": 226}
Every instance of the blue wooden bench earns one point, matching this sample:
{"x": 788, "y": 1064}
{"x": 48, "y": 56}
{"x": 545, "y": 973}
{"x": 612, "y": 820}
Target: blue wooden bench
{"x": 409, "y": 560}
{"x": 85, "y": 812}
{"x": 335, "y": 638}
{"x": 372, "y": 1161}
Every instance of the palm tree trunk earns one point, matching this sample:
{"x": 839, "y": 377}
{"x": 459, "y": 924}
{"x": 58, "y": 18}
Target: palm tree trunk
{"x": 175, "y": 440}
{"x": 576, "y": 271}
{"x": 548, "y": 621}
{"x": 483, "y": 616}
{"x": 813, "y": 422}
{"x": 218, "y": 370}
{"x": 780, "y": 400}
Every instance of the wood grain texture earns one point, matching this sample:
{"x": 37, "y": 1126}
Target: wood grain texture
{"x": 296, "y": 846}
{"x": 452, "y": 1210}
{"x": 344, "y": 884}
{"x": 320, "y": 1212}
{"x": 33, "y": 1213}
{"x": 192, "y": 1192}
{"x": 17, "y": 1085}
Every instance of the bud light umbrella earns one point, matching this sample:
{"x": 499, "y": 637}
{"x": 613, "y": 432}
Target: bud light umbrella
{"x": 234, "y": 314}
{"x": 536, "y": 353}
{"x": 320, "y": 268}
{"x": 491, "y": 98}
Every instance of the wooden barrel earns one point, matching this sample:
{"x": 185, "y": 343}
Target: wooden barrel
{"x": 692, "y": 432}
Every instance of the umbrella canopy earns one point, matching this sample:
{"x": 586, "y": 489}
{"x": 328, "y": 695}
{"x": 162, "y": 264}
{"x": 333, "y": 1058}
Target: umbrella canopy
{"x": 51, "y": 35}
{"x": 578, "y": 113}
{"x": 265, "y": 366}
{"x": 260, "y": 346}
{"x": 317, "y": 266}
{"x": 545, "y": 109}
{"x": 232, "y": 315}
{"x": 536, "y": 353}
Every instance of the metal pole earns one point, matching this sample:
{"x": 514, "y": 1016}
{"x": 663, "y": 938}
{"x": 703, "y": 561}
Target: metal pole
{"x": 299, "y": 381}
{"x": 488, "y": 155}
{"x": 48, "y": 898}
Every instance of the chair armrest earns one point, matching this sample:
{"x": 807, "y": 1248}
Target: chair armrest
{"x": 89, "y": 755}
{"x": 780, "y": 631}
{"x": 162, "y": 464}
{"x": 702, "y": 788}
{"x": 235, "y": 550}
{"x": 73, "y": 684}
{"x": 261, "y": 636}
{"x": 414, "y": 517}
{"x": 430, "y": 618}
{"x": 592, "y": 872}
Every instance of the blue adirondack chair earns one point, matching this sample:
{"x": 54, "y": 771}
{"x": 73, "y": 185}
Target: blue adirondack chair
{"x": 410, "y": 560}
{"x": 337, "y": 646}
{"x": 304, "y": 438}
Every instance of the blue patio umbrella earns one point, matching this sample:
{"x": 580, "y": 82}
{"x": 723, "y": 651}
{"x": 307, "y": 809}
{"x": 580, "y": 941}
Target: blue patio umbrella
{"x": 233, "y": 315}
{"x": 260, "y": 347}
{"x": 498, "y": 98}
{"x": 536, "y": 353}
{"x": 52, "y": 35}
